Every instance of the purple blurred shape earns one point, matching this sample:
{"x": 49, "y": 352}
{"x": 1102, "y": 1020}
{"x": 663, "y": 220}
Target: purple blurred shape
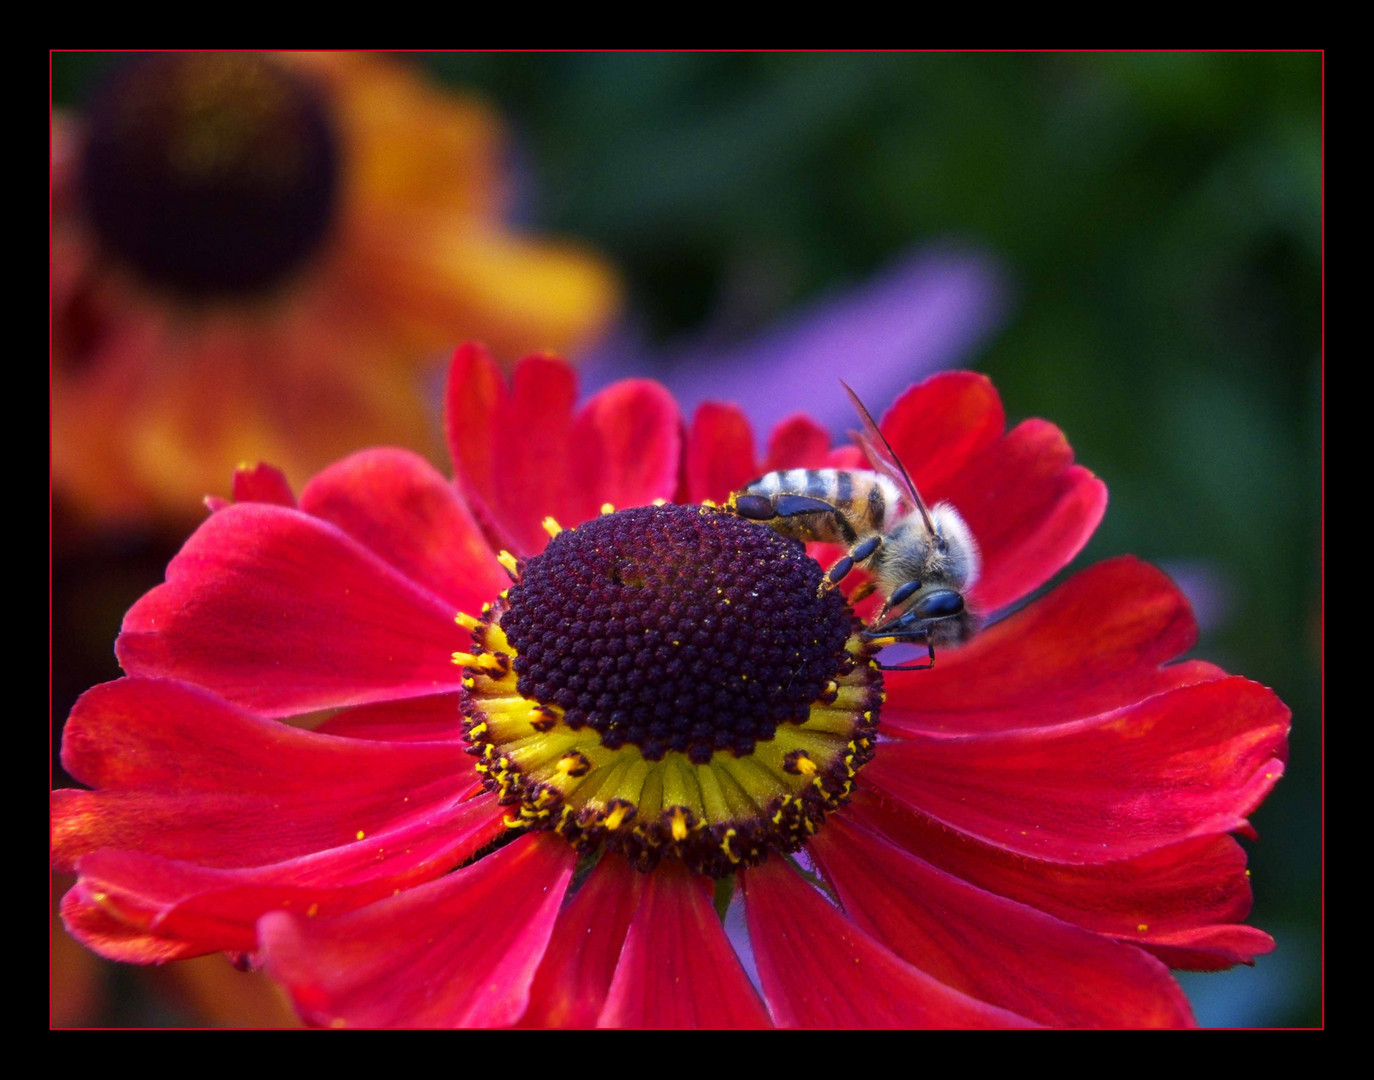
{"x": 928, "y": 310}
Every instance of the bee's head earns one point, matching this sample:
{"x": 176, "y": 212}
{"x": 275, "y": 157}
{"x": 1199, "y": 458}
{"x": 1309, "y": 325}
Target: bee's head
{"x": 931, "y": 606}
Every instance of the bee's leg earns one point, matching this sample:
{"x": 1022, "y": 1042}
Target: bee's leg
{"x": 768, "y": 507}
{"x": 861, "y": 551}
{"x": 863, "y": 592}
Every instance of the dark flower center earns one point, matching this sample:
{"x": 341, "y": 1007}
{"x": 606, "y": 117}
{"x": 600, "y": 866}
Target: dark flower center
{"x": 210, "y": 175}
{"x": 671, "y": 681}
{"x": 673, "y": 629}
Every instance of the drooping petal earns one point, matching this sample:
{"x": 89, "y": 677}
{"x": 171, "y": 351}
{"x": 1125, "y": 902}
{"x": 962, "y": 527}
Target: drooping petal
{"x": 571, "y": 985}
{"x": 457, "y": 952}
{"x": 1097, "y": 642}
{"x": 521, "y": 454}
{"x": 397, "y": 505}
{"x": 720, "y": 453}
{"x": 821, "y": 971}
{"x": 186, "y": 775}
{"x": 1029, "y": 507}
{"x": 1190, "y": 762}
{"x": 283, "y": 613}
{"x": 1195, "y": 890}
{"x": 217, "y": 909}
{"x": 425, "y": 719}
{"x": 678, "y": 969}
{"x": 991, "y": 948}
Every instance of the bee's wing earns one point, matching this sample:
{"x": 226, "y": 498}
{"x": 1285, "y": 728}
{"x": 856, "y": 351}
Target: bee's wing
{"x": 884, "y": 459}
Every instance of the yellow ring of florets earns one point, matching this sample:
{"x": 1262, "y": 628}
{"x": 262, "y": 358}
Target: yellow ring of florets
{"x": 716, "y": 817}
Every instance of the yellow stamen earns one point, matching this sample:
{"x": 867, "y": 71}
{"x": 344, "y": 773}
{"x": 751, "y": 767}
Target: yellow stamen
{"x": 551, "y": 527}
{"x": 507, "y": 560}
{"x": 466, "y": 621}
{"x": 617, "y": 816}
{"x": 660, "y": 502}
{"x": 607, "y": 508}
{"x": 485, "y": 661}
{"x": 679, "y": 824}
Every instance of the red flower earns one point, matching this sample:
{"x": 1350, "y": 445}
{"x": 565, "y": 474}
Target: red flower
{"x": 1043, "y": 826}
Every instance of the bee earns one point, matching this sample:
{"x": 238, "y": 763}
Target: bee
{"x": 922, "y": 559}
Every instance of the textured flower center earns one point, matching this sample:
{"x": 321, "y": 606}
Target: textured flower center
{"x": 210, "y": 175}
{"x": 672, "y": 680}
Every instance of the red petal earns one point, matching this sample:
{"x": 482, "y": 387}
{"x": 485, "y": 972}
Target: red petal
{"x": 189, "y": 776}
{"x": 1030, "y": 509}
{"x": 262, "y": 483}
{"x": 626, "y": 450}
{"x": 521, "y": 455}
{"x": 457, "y": 952}
{"x": 87, "y": 920}
{"x": 720, "y": 453}
{"x": 1187, "y": 890}
{"x": 399, "y": 506}
{"x": 821, "y": 971}
{"x": 678, "y": 969}
{"x": 991, "y": 948}
{"x": 427, "y": 719}
{"x": 283, "y": 613}
{"x": 575, "y": 974}
{"x": 1189, "y": 762}
{"x": 797, "y": 443}
{"x": 937, "y": 427}
{"x": 1210, "y": 948}
{"x": 217, "y": 909}
{"x": 1094, "y": 643}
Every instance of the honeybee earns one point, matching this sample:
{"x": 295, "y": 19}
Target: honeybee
{"x": 922, "y": 559}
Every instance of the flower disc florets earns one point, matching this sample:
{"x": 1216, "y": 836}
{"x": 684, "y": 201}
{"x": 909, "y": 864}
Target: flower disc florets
{"x": 209, "y": 174}
{"x": 672, "y": 679}
{"x": 672, "y": 629}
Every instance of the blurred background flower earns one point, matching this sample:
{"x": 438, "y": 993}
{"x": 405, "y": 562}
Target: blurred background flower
{"x": 1130, "y": 244}
{"x": 258, "y": 257}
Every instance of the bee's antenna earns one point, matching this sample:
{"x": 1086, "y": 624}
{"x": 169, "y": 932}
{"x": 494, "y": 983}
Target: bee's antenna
{"x": 881, "y": 455}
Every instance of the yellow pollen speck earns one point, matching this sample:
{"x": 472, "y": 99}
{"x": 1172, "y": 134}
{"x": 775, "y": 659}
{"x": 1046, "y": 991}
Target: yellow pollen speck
{"x": 616, "y": 817}
{"x": 679, "y": 824}
{"x": 551, "y": 527}
{"x": 338, "y": 1022}
{"x": 466, "y": 621}
{"x": 1142, "y": 928}
{"x": 507, "y": 560}
{"x": 361, "y": 834}
{"x": 607, "y": 508}
{"x": 660, "y": 502}
{"x": 805, "y": 765}
{"x": 312, "y": 911}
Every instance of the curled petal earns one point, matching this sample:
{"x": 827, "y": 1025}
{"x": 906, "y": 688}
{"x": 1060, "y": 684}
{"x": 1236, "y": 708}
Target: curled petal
{"x": 1189, "y": 762}
{"x": 820, "y": 970}
{"x": 398, "y": 505}
{"x": 85, "y": 916}
{"x": 1195, "y": 890}
{"x": 992, "y": 948}
{"x": 186, "y": 775}
{"x": 283, "y": 613}
{"x": 262, "y": 483}
{"x": 457, "y": 952}
{"x": 1096, "y": 642}
{"x": 678, "y": 969}
{"x": 217, "y": 909}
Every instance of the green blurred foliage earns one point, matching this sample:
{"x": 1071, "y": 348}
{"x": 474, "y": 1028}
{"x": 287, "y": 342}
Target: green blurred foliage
{"x": 1160, "y": 218}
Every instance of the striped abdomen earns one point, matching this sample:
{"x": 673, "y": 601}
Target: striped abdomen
{"x": 863, "y": 501}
